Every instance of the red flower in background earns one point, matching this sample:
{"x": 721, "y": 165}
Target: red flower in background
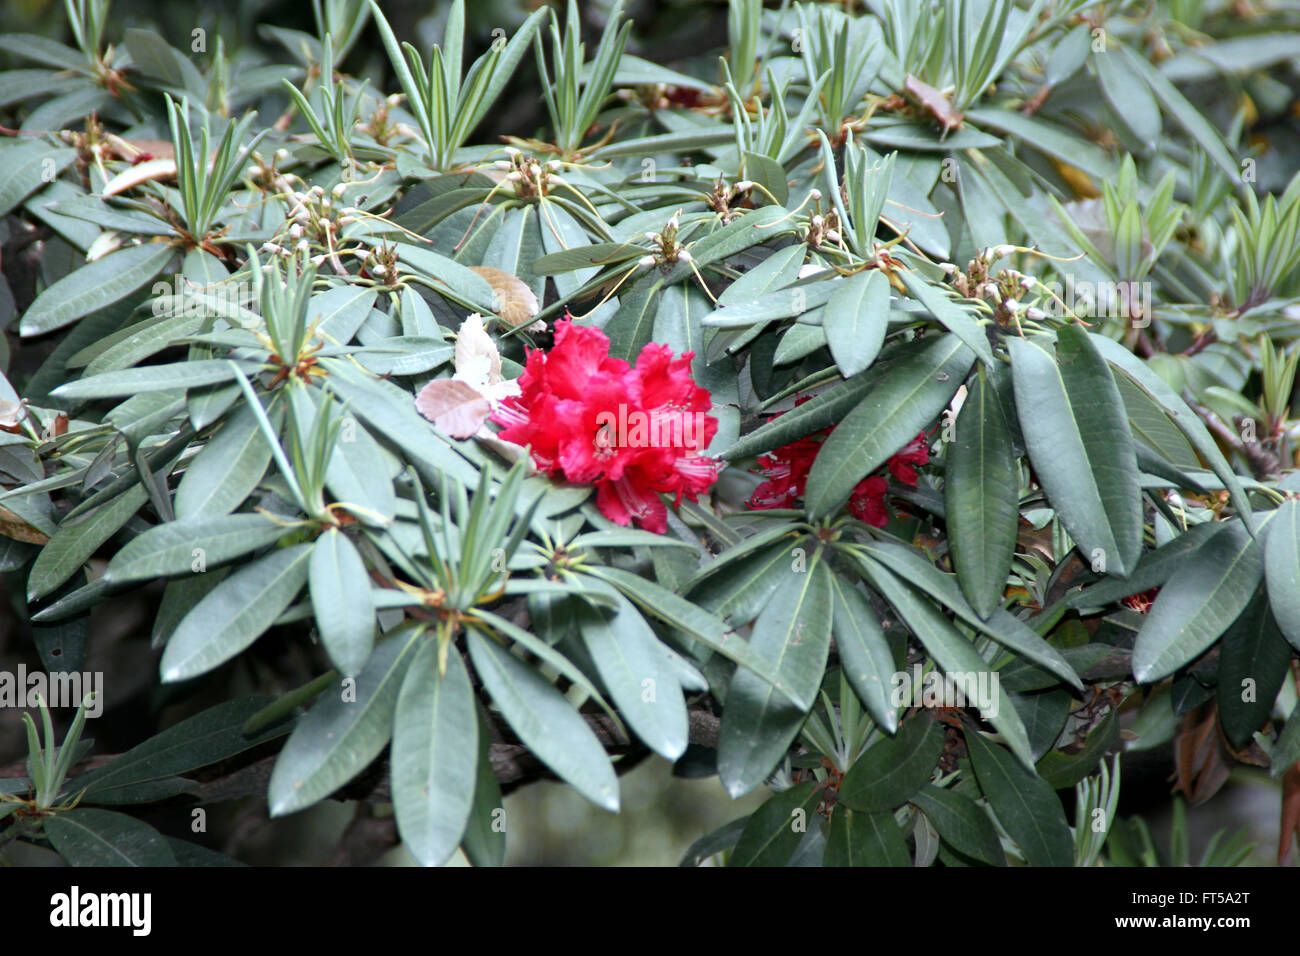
{"x": 633, "y": 432}
{"x": 787, "y": 468}
{"x": 1142, "y": 601}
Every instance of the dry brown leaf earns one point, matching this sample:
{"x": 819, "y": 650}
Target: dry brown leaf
{"x": 141, "y": 172}
{"x": 1201, "y": 758}
{"x": 453, "y": 406}
{"x": 12, "y": 526}
{"x": 517, "y": 305}
{"x": 1290, "y": 813}
{"x": 132, "y": 149}
{"x": 934, "y": 101}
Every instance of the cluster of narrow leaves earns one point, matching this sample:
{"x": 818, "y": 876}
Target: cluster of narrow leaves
{"x": 1004, "y": 225}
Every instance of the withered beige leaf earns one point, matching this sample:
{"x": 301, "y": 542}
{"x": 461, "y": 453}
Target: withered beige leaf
{"x": 517, "y": 305}
{"x": 453, "y": 406}
{"x": 934, "y": 101}
{"x": 130, "y": 149}
{"x": 141, "y": 172}
{"x": 12, "y": 414}
{"x": 478, "y": 362}
{"x": 12, "y": 526}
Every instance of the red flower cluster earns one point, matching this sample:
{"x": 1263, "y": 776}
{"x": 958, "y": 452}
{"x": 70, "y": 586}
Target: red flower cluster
{"x": 787, "y": 468}
{"x": 1142, "y": 601}
{"x": 633, "y": 432}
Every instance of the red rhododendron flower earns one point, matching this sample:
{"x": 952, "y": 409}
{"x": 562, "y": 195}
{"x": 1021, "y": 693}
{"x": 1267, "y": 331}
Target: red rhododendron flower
{"x": 635, "y": 432}
{"x": 786, "y": 471}
{"x": 1142, "y": 601}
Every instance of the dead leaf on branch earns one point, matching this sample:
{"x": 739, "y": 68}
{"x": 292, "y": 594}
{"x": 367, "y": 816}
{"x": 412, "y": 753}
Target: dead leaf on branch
{"x": 517, "y": 305}
{"x": 936, "y": 102}
{"x": 1290, "y": 813}
{"x": 453, "y": 406}
{"x": 1202, "y": 757}
{"x": 141, "y": 172}
{"x": 12, "y": 526}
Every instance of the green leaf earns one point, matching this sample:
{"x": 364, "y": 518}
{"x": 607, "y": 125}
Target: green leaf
{"x": 738, "y": 235}
{"x": 1282, "y": 569}
{"x": 794, "y": 631}
{"x": 1128, "y": 96}
{"x": 339, "y": 313}
{"x": 154, "y": 57}
{"x": 76, "y": 540}
{"x": 757, "y": 729}
{"x": 30, "y": 46}
{"x": 1025, "y": 805}
{"x": 1198, "y": 603}
{"x": 226, "y": 471}
{"x": 27, "y": 167}
{"x": 865, "y": 839}
{"x": 192, "y": 854}
{"x": 235, "y": 613}
{"x": 865, "y": 656}
{"x": 341, "y": 601}
{"x": 775, "y": 829}
{"x": 545, "y": 721}
{"x": 345, "y": 729}
{"x": 759, "y": 722}
{"x": 905, "y": 399}
{"x": 151, "y": 378}
{"x": 856, "y": 319}
{"x": 1048, "y": 138}
{"x": 185, "y": 547}
{"x": 1003, "y": 627}
{"x": 391, "y": 411}
{"x": 1077, "y": 434}
{"x": 1187, "y": 420}
{"x": 693, "y": 621}
{"x": 631, "y": 327}
{"x": 952, "y": 652}
{"x": 769, "y": 174}
{"x": 210, "y": 736}
{"x": 1153, "y": 570}
{"x": 714, "y": 842}
{"x": 742, "y": 589}
{"x": 954, "y": 317}
{"x": 1253, "y": 663}
{"x": 793, "y": 300}
{"x": 982, "y": 497}
{"x": 1062, "y": 770}
{"x": 627, "y": 538}
{"x": 358, "y": 472}
{"x": 94, "y": 286}
{"x": 893, "y": 768}
{"x": 1191, "y": 119}
{"x": 435, "y": 755}
{"x": 484, "y": 840}
{"x": 457, "y": 282}
{"x": 829, "y": 407}
{"x": 86, "y": 837}
{"x": 631, "y": 664}
{"x": 961, "y": 823}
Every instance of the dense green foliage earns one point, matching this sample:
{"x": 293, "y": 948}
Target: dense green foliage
{"x": 1057, "y": 237}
